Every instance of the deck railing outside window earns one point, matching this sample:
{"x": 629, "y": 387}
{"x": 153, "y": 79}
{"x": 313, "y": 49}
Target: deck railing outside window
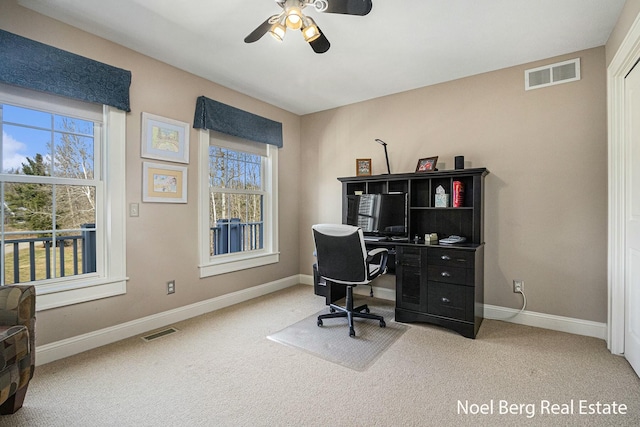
{"x": 234, "y": 236}
{"x": 76, "y": 254}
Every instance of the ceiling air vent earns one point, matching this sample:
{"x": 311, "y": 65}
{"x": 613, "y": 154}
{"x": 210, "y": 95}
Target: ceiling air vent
{"x": 554, "y": 74}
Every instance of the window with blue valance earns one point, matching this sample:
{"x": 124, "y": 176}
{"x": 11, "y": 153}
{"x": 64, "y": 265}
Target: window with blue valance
{"x": 214, "y": 115}
{"x": 33, "y": 65}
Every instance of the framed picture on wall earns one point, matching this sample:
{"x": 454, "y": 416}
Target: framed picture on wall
{"x": 363, "y": 167}
{"x": 428, "y": 164}
{"x": 164, "y": 183}
{"x": 164, "y": 139}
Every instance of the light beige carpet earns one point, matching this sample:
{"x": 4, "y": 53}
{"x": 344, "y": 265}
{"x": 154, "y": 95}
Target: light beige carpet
{"x": 333, "y": 343}
{"x": 221, "y": 370}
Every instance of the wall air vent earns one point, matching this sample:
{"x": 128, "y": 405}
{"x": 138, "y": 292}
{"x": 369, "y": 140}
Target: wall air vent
{"x": 554, "y": 74}
{"x": 159, "y": 334}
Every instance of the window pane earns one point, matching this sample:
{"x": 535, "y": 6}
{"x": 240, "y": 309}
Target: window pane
{"x": 234, "y": 174}
{"x": 75, "y": 206}
{"x": 73, "y": 125}
{"x": 32, "y": 256}
{"x": 234, "y": 169}
{"x": 253, "y": 175}
{"x": 26, "y": 151}
{"x": 33, "y": 213}
{"x": 30, "y": 206}
{"x": 236, "y": 223}
{"x": 73, "y": 152}
{"x": 25, "y": 116}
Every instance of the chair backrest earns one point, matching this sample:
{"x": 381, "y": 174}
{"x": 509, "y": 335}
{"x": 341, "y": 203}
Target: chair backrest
{"x": 341, "y": 253}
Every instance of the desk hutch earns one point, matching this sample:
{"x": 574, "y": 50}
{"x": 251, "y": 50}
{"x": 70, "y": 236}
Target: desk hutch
{"x": 438, "y": 284}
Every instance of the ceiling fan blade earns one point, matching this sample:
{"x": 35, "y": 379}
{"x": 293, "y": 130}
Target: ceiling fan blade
{"x": 321, "y": 44}
{"x": 260, "y": 31}
{"x": 349, "y": 7}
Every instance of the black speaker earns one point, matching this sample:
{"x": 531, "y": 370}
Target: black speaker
{"x": 459, "y": 161}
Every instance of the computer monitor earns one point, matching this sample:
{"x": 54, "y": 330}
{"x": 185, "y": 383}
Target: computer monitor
{"x": 378, "y": 214}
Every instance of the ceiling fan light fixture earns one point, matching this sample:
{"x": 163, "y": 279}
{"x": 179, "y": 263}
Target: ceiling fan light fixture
{"x": 310, "y": 30}
{"x": 278, "y": 31}
{"x": 294, "y": 18}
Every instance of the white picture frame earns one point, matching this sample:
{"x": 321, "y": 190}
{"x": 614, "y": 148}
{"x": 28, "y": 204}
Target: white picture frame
{"x": 164, "y": 183}
{"x": 164, "y": 139}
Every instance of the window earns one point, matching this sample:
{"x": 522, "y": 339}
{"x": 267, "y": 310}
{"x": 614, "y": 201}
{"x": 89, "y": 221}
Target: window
{"x": 237, "y": 204}
{"x": 57, "y": 203}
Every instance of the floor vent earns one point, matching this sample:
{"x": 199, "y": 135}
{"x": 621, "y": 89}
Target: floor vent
{"x": 554, "y": 74}
{"x": 160, "y": 334}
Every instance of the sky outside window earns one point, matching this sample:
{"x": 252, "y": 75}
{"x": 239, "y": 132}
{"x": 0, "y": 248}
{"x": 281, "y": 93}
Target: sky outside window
{"x": 28, "y": 132}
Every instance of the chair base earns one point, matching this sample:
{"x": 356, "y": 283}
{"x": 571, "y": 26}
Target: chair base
{"x": 350, "y": 313}
{"x": 13, "y": 403}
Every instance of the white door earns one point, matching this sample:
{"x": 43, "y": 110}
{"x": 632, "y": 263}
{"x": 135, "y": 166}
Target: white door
{"x": 632, "y": 308}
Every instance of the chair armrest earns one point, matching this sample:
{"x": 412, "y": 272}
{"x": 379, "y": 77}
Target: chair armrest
{"x": 373, "y": 255}
{"x": 17, "y": 305}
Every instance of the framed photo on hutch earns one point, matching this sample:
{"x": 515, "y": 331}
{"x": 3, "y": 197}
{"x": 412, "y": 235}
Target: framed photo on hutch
{"x": 363, "y": 167}
{"x": 428, "y": 164}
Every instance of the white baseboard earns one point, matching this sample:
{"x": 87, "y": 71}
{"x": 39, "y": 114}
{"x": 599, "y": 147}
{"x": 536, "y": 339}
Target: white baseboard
{"x": 529, "y": 318}
{"x": 547, "y": 321}
{"x": 74, "y": 345}
{"x": 70, "y": 346}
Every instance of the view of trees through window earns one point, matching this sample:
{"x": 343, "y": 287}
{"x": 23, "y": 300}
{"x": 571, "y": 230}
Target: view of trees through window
{"x": 236, "y": 200}
{"x": 48, "y": 193}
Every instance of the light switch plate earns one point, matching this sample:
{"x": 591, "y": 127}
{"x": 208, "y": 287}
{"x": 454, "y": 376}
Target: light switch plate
{"x": 134, "y": 209}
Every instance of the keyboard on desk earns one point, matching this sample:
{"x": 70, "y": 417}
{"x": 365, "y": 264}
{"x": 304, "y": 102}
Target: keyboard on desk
{"x": 375, "y": 238}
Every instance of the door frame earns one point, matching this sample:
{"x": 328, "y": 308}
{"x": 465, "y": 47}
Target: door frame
{"x": 623, "y": 62}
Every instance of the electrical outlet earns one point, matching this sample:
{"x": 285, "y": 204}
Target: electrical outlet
{"x": 171, "y": 287}
{"x": 518, "y": 286}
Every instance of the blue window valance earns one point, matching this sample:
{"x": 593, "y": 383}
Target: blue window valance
{"x": 37, "y": 66}
{"x": 214, "y": 115}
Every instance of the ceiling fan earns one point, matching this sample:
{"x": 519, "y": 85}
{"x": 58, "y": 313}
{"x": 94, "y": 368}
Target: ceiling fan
{"x": 292, "y": 18}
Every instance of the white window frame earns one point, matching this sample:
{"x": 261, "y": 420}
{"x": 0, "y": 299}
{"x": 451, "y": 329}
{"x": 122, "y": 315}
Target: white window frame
{"x": 226, "y": 263}
{"x": 110, "y": 278}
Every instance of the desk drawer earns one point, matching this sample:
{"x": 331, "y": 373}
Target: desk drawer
{"x": 453, "y": 301}
{"x": 457, "y": 275}
{"x": 450, "y": 257}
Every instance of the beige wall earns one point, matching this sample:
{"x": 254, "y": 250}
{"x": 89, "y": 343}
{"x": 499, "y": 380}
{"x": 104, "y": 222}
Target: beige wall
{"x": 162, "y": 241}
{"x": 546, "y": 194}
{"x": 628, "y": 15}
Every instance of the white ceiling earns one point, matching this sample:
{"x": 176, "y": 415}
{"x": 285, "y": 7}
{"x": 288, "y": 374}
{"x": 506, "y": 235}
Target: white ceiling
{"x": 400, "y": 45}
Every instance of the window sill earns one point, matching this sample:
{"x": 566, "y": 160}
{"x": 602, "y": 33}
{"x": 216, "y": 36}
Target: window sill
{"x": 235, "y": 263}
{"x": 63, "y": 294}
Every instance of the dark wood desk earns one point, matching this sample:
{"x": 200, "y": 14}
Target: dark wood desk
{"x": 437, "y": 284}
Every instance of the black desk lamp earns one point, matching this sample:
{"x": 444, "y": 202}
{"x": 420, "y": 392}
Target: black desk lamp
{"x": 384, "y": 144}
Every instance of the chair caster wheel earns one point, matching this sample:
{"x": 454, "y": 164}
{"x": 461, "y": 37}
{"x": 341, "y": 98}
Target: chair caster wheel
{"x": 366, "y": 310}
{"x": 382, "y": 324}
{"x": 352, "y": 332}
{"x": 332, "y": 310}
{"x": 319, "y": 322}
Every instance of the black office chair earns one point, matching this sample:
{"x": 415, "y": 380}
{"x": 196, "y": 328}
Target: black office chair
{"x": 343, "y": 258}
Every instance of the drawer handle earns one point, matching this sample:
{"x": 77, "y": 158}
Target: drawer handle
{"x": 445, "y": 300}
{"x": 445, "y": 257}
{"x": 461, "y": 260}
{"x": 445, "y": 274}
